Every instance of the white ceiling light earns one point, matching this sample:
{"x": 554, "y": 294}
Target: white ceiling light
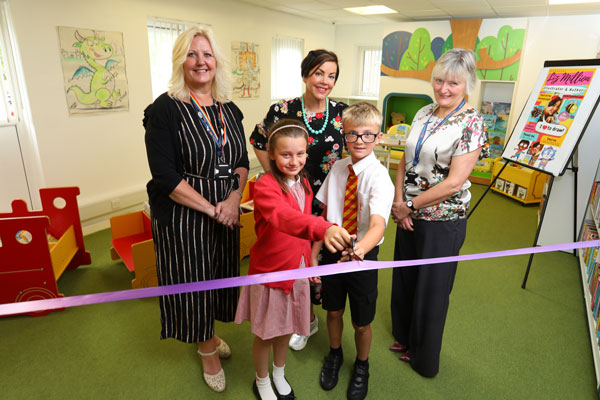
{"x": 371, "y": 10}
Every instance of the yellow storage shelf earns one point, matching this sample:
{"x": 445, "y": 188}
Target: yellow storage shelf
{"x": 520, "y": 183}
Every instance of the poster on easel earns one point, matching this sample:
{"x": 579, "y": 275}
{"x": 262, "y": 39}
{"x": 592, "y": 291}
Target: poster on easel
{"x": 555, "y": 116}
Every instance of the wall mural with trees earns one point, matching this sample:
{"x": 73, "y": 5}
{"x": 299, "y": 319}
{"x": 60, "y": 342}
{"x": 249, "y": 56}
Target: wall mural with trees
{"x": 413, "y": 55}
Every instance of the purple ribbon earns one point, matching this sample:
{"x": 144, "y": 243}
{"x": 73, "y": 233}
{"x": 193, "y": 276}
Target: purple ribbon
{"x": 321, "y": 270}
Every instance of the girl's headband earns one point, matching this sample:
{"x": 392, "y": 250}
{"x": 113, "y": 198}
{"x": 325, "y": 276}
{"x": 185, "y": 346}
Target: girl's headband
{"x": 287, "y": 126}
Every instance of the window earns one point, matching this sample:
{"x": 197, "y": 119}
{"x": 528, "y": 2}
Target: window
{"x": 8, "y": 109}
{"x": 370, "y": 66}
{"x": 286, "y": 57}
{"x": 162, "y": 34}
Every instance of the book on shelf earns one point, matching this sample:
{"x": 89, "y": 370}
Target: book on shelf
{"x": 593, "y": 269}
{"x": 591, "y": 266}
{"x": 589, "y": 232}
{"x": 595, "y": 200}
{"x": 596, "y": 303}
{"x": 499, "y": 184}
{"x": 593, "y": 282}
{"x": 521, "y": 192}
{"x": 495, "y": 119}
{"x": 588, "y": 256}
{"x": 595, "y": 293}
{"x": 596, "y": 207}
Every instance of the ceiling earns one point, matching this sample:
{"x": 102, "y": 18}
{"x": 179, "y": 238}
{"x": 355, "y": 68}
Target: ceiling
{"x": 332, "y": 11}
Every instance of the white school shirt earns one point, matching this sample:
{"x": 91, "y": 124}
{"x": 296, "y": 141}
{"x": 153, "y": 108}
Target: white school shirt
{"x": 375, "y": 191}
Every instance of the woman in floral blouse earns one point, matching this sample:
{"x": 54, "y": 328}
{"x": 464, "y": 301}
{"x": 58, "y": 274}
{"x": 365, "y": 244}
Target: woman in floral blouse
{"x": 430, "y": 209}
{"x": 323, "y": 120}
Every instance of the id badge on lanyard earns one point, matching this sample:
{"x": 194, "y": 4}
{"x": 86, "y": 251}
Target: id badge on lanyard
{"x": 422, "y": 138}
{"x": 219, "y": 136}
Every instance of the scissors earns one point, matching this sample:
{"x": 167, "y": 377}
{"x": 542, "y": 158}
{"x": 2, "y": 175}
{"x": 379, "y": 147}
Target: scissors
{"x": 353, "y": 254}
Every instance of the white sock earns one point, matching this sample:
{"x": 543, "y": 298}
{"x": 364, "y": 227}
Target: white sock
{"x": 264, "y": 388}
{"x": 283, "y": 387}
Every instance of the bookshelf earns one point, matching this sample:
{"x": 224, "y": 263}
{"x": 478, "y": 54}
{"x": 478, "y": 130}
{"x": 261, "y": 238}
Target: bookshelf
{"x": 495, "y": 100}
{"x": 589, "y": 261}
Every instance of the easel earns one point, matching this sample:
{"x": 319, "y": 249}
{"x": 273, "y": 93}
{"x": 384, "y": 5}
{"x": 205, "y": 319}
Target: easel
{"x": 573, "y": 168}
{"x": 573, "y": 138}
{"x": 543, "y": 214}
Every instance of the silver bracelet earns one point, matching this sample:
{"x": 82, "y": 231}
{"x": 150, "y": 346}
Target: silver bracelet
{"x": 238, "y": 191}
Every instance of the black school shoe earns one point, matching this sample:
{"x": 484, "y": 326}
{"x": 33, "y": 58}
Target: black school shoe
{"x": 255, "y": 390}
{"x": 359, "y": 384}
{"x": 331, "y": 367}
{"x": 289, "y": 396}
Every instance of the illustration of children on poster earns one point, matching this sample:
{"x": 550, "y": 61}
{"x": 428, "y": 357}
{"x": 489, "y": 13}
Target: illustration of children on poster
{"x": 552, "y": 115}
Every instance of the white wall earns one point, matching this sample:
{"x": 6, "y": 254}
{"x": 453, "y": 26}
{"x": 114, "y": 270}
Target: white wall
{"x": 347, "y": 40}
{"x": 104, "y": 153}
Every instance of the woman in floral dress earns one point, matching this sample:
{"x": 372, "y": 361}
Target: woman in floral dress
{"x": 321, "y": 116}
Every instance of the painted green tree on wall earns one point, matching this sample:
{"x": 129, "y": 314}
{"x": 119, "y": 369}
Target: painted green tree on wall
{"x": 394, "y": 45}
{"x": 508, "y": 42}
{"x": 406, "y": 55}
{"x": 419, "y": 54}
{"x": 448, "y": 44}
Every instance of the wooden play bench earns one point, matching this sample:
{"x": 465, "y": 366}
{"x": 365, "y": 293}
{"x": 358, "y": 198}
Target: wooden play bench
{"x": 132, "y": 240}
{"x": 36, "y": 247}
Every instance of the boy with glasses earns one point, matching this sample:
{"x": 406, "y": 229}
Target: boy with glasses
{"x": 358, "y": 195}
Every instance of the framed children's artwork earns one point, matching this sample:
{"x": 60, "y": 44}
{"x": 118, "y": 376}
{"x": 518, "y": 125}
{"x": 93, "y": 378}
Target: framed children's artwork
{"x": 555, "y": 116}
{"x": 94, "y": 72}
{"x": 246, "y": 69}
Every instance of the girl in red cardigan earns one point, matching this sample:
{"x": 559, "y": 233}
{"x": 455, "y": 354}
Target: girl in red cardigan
{"x": 284, "y": 228}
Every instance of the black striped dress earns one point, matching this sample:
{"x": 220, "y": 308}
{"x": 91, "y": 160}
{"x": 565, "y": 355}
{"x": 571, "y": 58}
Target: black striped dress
{"x": 189, "y": 245}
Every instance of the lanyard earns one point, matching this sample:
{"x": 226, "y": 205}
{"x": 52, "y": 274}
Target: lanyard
{"x": 424, "y": 131}
{"x": 219, "y": 137}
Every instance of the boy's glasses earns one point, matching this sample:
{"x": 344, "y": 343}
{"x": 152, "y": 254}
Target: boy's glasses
{"x": 366, "y": 137}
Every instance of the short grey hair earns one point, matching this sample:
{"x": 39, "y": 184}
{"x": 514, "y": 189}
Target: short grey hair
{"x": 457, "y": 64}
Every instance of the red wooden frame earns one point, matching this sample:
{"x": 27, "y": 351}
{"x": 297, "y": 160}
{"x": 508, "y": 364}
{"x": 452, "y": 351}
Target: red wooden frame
{"x": 26, "y": 270}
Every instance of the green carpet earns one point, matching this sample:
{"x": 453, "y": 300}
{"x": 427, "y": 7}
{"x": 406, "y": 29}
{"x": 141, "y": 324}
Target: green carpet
{"x": 500, "y": 341}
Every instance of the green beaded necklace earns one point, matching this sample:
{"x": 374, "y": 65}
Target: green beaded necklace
{"x": 311, "y": 130}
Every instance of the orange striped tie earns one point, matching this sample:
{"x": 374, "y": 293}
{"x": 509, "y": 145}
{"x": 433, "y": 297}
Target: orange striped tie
{"x": 349, "y": 220}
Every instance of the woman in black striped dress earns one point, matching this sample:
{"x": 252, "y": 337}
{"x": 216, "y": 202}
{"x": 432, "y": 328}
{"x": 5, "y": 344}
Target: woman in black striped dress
{"x": 197, "y": 155}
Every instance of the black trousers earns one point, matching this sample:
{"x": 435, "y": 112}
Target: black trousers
{"x": 421, "y": 294}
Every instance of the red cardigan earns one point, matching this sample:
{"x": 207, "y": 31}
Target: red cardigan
{"x": 283, "y": 232}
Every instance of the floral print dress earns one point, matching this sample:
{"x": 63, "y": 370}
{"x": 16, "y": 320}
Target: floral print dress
{"x": 324, "y": 148}
{"x": 460, "y": 134}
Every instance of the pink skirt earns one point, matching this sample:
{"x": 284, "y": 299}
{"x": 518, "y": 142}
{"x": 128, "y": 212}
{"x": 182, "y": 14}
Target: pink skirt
{"x": 274, "y": 313}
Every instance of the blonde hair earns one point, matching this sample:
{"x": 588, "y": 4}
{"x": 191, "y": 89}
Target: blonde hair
{"x": 221, "y": 88}
{"x": 457, "y": 64}
{"x": 362, "y": 113}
